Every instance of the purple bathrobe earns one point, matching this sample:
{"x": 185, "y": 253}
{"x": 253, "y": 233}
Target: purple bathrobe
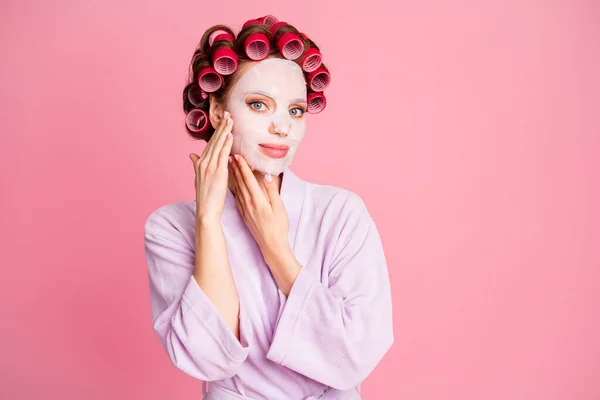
{"x": 326, "y": 336}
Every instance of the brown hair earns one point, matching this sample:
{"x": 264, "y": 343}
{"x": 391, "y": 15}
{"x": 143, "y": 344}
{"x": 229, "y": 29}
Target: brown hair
{"x": 203, "y": 58}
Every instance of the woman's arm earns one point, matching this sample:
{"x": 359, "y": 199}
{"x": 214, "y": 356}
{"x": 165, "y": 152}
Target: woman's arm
{"x": 213, "y": 272}
{"x": 195, "y": 322}
{"x": 336, "y": 333}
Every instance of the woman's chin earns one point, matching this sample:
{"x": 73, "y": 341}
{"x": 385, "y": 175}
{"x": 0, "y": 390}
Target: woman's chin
{"x": 272, "y": 167}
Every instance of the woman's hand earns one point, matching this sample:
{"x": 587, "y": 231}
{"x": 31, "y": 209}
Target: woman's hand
{"x": 212, "y": 173}
{"x": 263, "y": 211}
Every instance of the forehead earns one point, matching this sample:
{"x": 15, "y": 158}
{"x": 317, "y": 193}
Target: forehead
{"x": 274, "y": 77}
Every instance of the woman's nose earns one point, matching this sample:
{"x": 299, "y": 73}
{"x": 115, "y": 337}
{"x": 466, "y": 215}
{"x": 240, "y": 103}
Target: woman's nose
{"x": 282, "y": 129}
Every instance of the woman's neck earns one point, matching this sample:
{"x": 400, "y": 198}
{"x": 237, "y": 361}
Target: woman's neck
{"x": 231, "y": 183}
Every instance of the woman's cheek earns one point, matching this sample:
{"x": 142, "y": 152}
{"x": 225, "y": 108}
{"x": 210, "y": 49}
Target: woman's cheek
{"x": 298, "y": 130}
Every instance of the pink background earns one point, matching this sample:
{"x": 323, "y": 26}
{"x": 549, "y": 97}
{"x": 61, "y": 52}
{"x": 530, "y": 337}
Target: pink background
{"x": 471, "y": 131}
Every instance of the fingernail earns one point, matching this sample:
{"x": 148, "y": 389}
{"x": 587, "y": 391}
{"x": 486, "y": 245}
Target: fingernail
{"x": 237, "y": 158}
{"x": 268, "y": 178}
{"x": 229, "y": 136}
{"x": 226, "y": 114}
{"x": 228, "y": 121}
{"x": 229, "y": 158}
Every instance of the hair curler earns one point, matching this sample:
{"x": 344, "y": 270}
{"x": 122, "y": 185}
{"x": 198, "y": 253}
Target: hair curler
{"x": 220, "y": 34}
{"x": 316, "y": 103}
{"x": 290, "y": 46}
{"x": 209, "y": 80}
{"x": 312, "y": 60}
{"x": 257, "y": 46}
{"x": 225, "y": 61}
{"x": 319, "y": 79}
{"x": 251, "y": 22}
{"x": 267, "y": 20}
{"x": 196, "y": 95}
{"x": 273, "y": 28}
{"x": 197, "y": 121}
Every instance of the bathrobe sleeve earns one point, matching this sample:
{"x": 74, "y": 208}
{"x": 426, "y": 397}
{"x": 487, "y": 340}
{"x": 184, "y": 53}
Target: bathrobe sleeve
{"x": 189, "y": 327}
{"x": 337, "y": 333}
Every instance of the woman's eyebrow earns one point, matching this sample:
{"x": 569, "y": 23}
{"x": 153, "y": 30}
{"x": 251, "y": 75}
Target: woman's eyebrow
{"x": 299, "y": 100}
{"x": 261, "y": 93}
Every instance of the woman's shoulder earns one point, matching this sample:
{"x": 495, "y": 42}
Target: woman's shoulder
{"x": 171, "y": 220}
{"x": 336, "y": 199}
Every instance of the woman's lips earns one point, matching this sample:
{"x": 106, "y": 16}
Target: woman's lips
{"x": 274, "y": 150}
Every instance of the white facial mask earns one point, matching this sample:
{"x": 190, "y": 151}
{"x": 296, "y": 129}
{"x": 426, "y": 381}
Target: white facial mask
{"x": 282, "y": 81}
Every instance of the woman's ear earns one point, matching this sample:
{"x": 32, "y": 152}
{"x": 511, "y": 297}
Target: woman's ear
{"x": 215, "y": 112}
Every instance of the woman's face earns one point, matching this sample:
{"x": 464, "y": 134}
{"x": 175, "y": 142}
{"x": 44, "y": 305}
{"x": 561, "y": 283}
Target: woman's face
{"x": 268, "y": 104}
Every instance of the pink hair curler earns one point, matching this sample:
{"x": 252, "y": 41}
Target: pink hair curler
{"x": 319, "y": 79}
{"x": 276, "y": 26}
{"x": 257, "y": 46}
{"x": 251, "y": 22}
{"x": 290, "y": 46}
{"x": 213, "y": 36}
{"x": 312, "y": 60}
{"x": 196, "y": 95}
{"x": 316, "y": 103}
{"x": 225, "y": 36}
{"x": 269, "y": 20}
{"x": 225, "y": 61}
{"x": 209, "y": 80}
{"x": 197, "y": 120}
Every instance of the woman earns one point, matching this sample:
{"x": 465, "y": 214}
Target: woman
{"x": 267, "y": 286}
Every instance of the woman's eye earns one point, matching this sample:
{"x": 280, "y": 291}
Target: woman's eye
{"x": 296, "y": 112}
{"x": 258, "y": 105}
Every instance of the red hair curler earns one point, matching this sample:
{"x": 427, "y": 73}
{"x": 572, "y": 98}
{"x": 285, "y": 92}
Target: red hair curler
{"x": 225, "y": 36}
{"x": 316, "y": 103}
{"x": 196, "y": 95}
{"x": 319, "y": 79}
{"x": 257, "y": 46}
{"x": 290, "y": 46}
{"x": 225, "y": 61}
{"x": 267, "y": 20}
{"x": 251, "y": 22}
{"x": 276, "y": 26}
{"x": 312, "y": 60}
{"x": 220, "y": 32}
{"x": 197, "y": 120}
{"x": 209, "y": 80}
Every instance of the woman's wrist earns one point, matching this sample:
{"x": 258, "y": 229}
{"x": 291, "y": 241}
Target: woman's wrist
{"x": 207, "y": 222}
{"x": 284, "y": 266}
{"x": 280, "y": 257}
{"x": 207, "y": 232}
{"x": 276, "y": 252}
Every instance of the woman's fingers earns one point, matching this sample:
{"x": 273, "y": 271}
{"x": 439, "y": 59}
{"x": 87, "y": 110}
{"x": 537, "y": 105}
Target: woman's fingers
{"x": 248, "y": 176}
{"x": 206, "y": 154}
{"x": 218, "y": 156}
{"x": 238, "y": 201}
{"x": 194, "y": 157}
{"x": 225, "y": 151}
{"x": 224, "y": 129}
{"x": 242, "y": 189}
